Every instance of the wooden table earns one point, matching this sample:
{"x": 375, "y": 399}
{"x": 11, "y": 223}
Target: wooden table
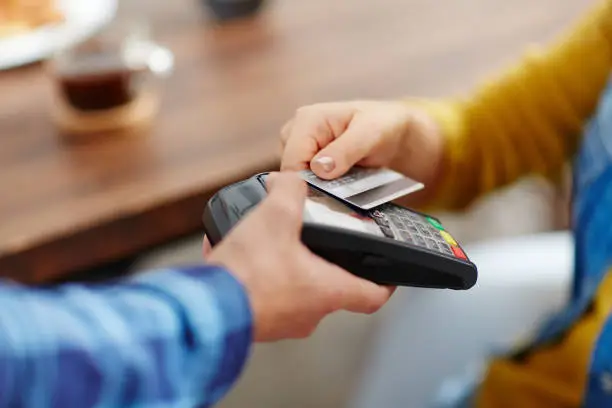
{"x": 65, "y": 207}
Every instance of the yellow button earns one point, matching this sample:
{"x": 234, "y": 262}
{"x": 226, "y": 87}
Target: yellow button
{"x": 448, "y": 238}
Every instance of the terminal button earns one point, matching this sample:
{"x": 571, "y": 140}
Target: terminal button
{"x": 435, "y": 223}
{"x": 458, "y": 252}
{"x": 448, "y": 238}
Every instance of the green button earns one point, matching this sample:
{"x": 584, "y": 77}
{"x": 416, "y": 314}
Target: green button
{"x": 435, "y": 223}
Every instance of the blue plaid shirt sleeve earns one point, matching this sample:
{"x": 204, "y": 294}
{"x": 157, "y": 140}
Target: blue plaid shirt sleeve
{"x": 168, "y": 338}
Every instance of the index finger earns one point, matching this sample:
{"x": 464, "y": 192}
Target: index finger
{"x": 301, "y": 146}
{"x": 312, "y": 129}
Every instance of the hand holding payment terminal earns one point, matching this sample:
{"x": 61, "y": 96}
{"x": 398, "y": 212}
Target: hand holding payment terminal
{"x": 388, "y": 244}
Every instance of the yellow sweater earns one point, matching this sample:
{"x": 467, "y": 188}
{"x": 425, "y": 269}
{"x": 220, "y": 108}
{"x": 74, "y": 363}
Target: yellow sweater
{"x": 529, "y": 121}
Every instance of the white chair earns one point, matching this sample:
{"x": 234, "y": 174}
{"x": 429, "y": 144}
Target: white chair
{"x": 428, "y": 337}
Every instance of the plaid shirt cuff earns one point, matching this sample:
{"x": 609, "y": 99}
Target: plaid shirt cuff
{"x": 233, "y": 333}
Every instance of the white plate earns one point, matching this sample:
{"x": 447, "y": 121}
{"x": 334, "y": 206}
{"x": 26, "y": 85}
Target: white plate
{"x": 82, "y": 19}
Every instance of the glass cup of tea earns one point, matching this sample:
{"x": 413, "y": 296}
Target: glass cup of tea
{"x": 111, "y": 81}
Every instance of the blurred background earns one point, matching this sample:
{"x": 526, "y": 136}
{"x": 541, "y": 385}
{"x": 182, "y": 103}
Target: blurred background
{"x": 120, "y": 118}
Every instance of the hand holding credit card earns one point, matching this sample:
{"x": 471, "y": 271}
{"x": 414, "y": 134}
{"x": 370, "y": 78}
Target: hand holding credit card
{"x": 365, "y": 188}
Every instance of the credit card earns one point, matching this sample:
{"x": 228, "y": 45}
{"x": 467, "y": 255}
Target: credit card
{"x": 365, "y": 188}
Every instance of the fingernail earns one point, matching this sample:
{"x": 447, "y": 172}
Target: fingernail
{"x": 327, "y": 163}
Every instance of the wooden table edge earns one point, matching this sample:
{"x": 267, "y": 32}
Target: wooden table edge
{"x": 124, "y": 235}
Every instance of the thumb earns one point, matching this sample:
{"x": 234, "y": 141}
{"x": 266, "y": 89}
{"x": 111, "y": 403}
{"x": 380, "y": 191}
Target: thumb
{"x": 286, "y": 197}
{"x": 348, "y": 149}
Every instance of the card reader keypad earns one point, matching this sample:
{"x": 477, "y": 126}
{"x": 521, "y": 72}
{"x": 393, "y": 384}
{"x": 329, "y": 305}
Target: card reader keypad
{"x": 416, "y": 229}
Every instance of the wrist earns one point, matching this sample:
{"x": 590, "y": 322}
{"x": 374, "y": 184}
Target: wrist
{"x": 451, "y": 183}
{"x": 239, "y": 270}
{"x": 420, "y": 153}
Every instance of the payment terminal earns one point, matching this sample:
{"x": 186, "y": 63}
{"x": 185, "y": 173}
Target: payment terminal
{"x": 388, "y": 244}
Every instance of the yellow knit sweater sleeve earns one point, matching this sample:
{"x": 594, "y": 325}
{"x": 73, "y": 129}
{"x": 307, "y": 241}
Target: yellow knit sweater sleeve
{"x": 529, "y": 119}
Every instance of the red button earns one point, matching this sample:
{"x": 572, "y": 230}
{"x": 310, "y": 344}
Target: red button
{"x": 458, "y": 252}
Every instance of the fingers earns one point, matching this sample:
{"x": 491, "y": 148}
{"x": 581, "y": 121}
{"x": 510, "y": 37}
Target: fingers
{"x": 339, "y": 156}
{"x": 348, "y": 291}
{"x": 312, "y": 128}
{"x": 303, "y": 141}
{"x": 286, "y": 132}
{"x": 363, "y": 296}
